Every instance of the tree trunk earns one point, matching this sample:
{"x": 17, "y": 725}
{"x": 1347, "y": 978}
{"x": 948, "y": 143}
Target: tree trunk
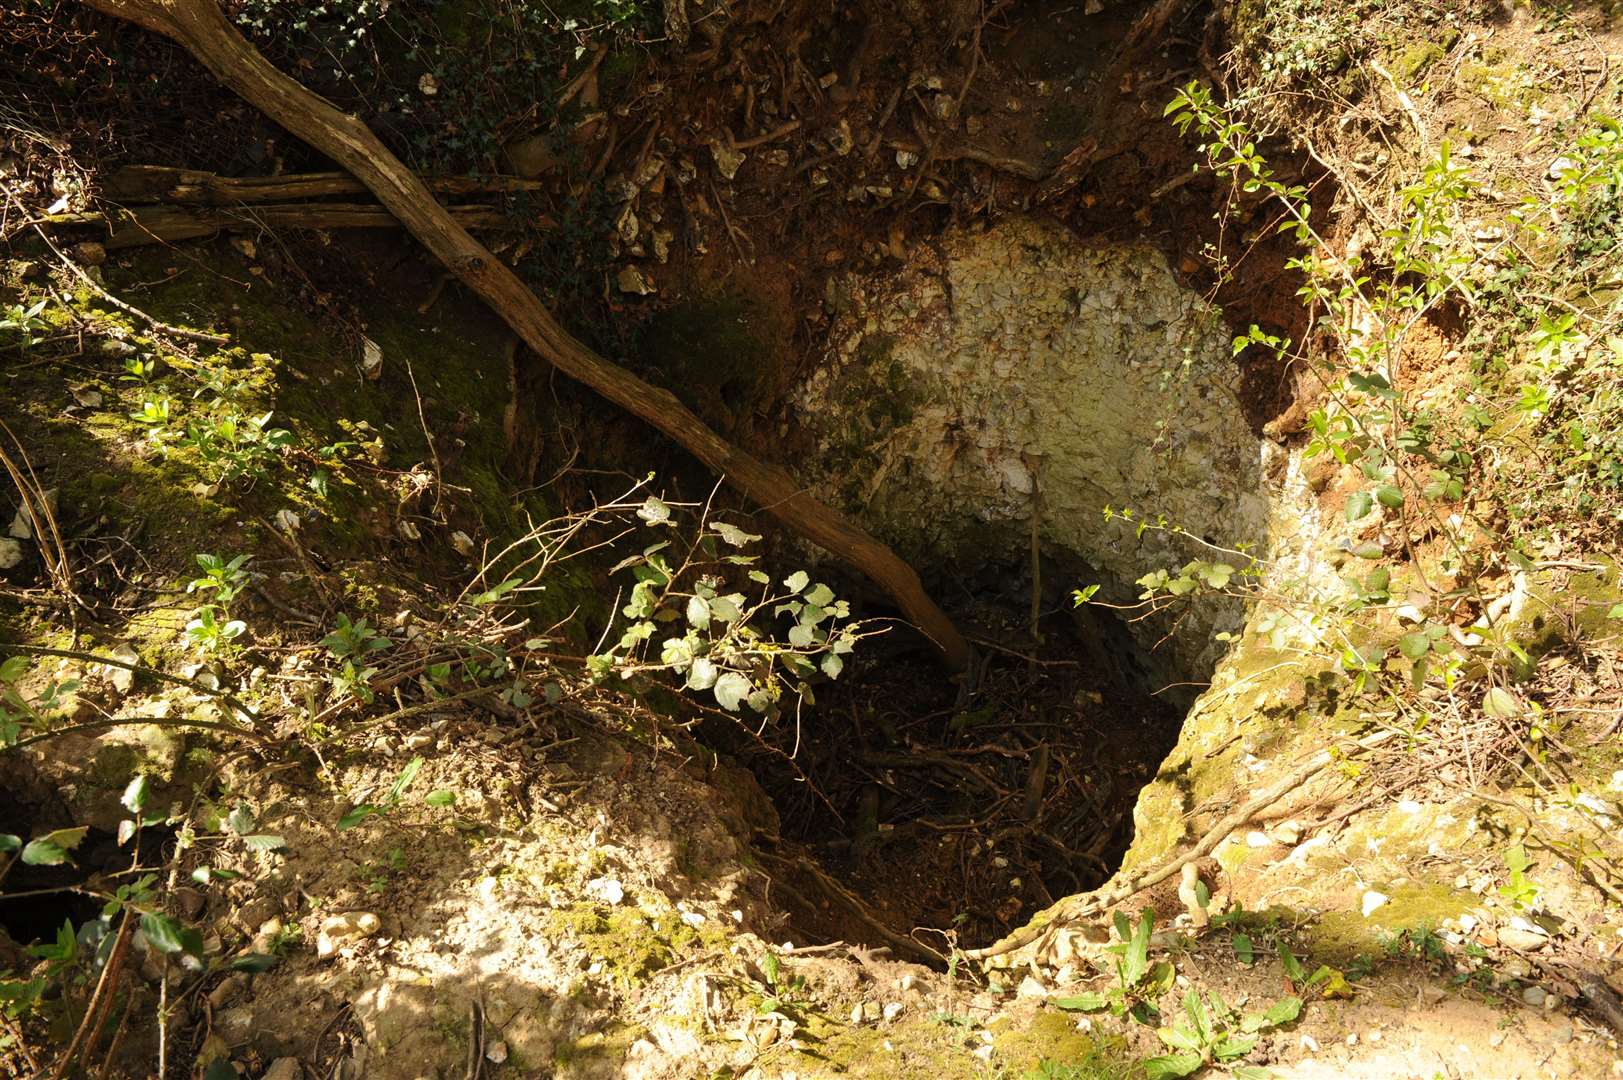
{"x": 199, "y": 26}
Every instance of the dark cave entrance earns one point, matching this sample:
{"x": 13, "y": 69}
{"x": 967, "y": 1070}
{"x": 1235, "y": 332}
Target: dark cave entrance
{"x": 950, "y": 811}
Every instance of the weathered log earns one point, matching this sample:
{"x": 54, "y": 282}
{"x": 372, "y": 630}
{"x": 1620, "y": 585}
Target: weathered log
{"x": 160, "y": 183}
{"x": 141, "y": 225}
{"x": 199, "y": 26}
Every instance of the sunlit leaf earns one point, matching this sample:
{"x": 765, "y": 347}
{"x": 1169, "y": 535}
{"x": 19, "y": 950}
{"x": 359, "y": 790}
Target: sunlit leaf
{"x": 731, "y": 689}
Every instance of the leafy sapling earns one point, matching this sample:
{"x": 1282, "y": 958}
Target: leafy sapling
{"x": 350, "y": 644}
{"x": 1138, "y": 982}
{"x": 746, "y": 647}
{"x": 19, "y": 710}
{"x": 211, "y": 628}
{"x": 397, "y": 791}
{"x": 21, "y": 324}
{"x": 1212, "y": 1033}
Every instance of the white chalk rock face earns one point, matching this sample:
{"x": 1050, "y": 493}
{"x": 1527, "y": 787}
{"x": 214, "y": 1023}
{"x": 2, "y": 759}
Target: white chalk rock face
{"x": 1018, "y": 366}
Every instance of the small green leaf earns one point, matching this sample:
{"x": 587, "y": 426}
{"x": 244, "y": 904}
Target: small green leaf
{"x": 1245, "y": 949}
{"x": 1389, "y": 496}
{"x": 52, "y": 849}
{"x": 1173, "y": 1066}
{"x": 698, "y": 612}
{"x": 489, "y": 596}
{"x": 242, "y": 819}
{"x": 1180, "y": 1038}
{"x": 1414, "y": 645}
{"x": 264, "y": 842}
{"x": 404, "y": 780}
{"x": 1088, "y": 1001}
{"x": 1235, "y": 1046}
{"x": 833, "y": 665}
{"x": 1283, "y": 1011}
{"x": 205, "y": 874}
{"x": 440, "y": 797}
{"x": 731, "y": 689}
{"x": 820, "y": 595}
{"x": 1501, "y": 703}
{"x": 733, "y": 535}
{"x": 15, "y": 667}
{"x": 355, "y": 816}
{"x": 168, "y": 936}
{"x": 1294, "y": 971}
{"x": 703, "y": 674}
{"x": 797, "y": 581}
{"x": 9, "y": 842}
{"x": 135, "y": 796}
{"x": 654, "y": 511}
{"x": 254, "y": 963}
{"x": 1359, "y": 503}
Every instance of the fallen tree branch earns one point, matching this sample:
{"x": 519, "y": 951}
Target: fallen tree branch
{"x": 199, "y": 26}
{"x": 141, "y": 225}
{"x": 160, "y": 183}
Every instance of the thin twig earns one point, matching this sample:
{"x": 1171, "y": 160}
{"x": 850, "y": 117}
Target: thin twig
{"x": 153, "y": 721}
{"x": 109, "y": 977}
{"x": 113, "y": 661}
{"x": 156, "y": 324}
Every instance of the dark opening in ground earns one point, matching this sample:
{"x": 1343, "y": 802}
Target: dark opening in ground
{"x": 952, "y": 810}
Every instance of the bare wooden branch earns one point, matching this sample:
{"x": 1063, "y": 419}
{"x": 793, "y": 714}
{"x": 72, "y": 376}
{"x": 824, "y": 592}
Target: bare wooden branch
{"x": 159, "y": 183}
{"x": 143, "y": 225}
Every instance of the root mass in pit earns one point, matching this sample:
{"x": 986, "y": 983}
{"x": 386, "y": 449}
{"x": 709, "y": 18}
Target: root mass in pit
{"x": 949, "y": 813}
